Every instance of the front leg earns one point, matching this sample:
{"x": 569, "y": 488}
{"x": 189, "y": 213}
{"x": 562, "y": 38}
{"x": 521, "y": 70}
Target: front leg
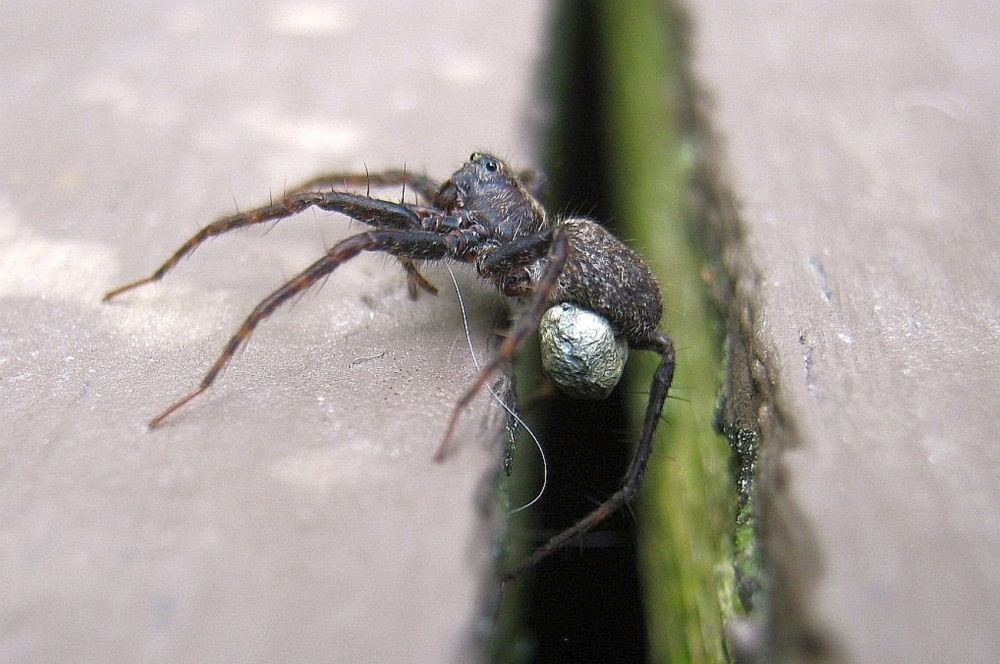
{"x": 425, "y": 187}
{"x": 558, "y": 251}
{"x": 507, "y": 266}
{"x": 372, "y": 211}
{"x": 401, "y": 243}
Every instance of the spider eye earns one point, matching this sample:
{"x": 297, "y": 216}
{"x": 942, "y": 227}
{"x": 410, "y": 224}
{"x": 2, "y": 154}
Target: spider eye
{"x": 490, "y": 163}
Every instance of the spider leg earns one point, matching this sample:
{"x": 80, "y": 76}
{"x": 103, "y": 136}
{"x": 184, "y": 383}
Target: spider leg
{"x": 424, "y": 186}
{"x": 372, "y": 211}
{"x": 558, "y": 252}
{"x": 408, "y": 244}
{"x": 662, "y": 379}
{"x": 416, "y": 281}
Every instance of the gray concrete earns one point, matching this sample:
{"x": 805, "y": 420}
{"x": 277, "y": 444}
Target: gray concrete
{"x": 293, "y": 513}
{"x": 861, "y": 143}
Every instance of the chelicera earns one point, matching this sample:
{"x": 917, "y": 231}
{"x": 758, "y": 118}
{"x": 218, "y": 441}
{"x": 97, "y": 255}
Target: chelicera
{"x": 484, "y": 214}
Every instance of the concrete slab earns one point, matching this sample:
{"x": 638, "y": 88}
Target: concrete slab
{"x": 292, "y": 513}
{"x": 861, "y": 142}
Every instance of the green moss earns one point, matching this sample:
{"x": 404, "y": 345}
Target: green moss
{"x": 687, "y": 501}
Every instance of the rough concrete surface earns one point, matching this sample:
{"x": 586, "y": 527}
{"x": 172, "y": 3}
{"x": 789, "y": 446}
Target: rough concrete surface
{"x": 861, "y": 143}
{"x": 293, "y": 512}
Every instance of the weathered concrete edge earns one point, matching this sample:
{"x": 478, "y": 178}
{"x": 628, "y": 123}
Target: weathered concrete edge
{"x": 777, "y": 581}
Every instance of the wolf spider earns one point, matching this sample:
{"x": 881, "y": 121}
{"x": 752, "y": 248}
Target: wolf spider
{"x": 483, "y": 214}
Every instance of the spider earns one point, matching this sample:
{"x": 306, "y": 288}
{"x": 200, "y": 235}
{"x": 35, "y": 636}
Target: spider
{"x": 486, "y": 215}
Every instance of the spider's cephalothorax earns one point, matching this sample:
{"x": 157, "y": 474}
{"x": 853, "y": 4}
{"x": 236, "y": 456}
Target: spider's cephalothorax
{"x": 484, "y": 214}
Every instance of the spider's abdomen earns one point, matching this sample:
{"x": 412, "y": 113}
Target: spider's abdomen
{"x": 605, "y": 275}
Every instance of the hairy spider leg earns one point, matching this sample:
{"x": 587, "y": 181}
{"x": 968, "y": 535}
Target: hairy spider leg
{"x": 557, "y": 253}
{"x": 534, "y": 181}
{"x": 374, "y": 212}
{"x": 405, "y": 243}
{"x": 415, "y": 282}
{"x": 425, "y": 187}
{"x": 662, "y": 379}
